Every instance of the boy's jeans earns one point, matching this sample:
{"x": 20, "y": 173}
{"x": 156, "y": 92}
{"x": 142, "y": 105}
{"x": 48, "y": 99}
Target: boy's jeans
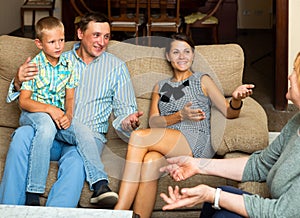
{"x": 66, "y": 190}
{"x": 77, "y": 134}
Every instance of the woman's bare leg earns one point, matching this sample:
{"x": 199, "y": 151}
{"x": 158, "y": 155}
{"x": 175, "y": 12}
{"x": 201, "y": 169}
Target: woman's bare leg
{"x": 147, "y": 191}
{"x": 168, "y": 142}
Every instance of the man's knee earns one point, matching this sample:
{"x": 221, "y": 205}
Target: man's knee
{"x": 21, "y": 139}
{"x": 71, "y": 159}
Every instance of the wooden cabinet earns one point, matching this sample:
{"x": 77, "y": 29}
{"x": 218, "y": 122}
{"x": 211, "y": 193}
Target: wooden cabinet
{"x": 227, "y": 15}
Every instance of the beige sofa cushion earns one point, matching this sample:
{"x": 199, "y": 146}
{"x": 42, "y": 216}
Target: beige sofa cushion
{"x": 147, "y": 65}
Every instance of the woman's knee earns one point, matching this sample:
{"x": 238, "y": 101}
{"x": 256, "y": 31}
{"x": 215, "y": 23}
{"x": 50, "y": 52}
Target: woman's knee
{"x": 151, "y": 164}
{"x": 152, "y": 156}
{"x": 148, "y": 137}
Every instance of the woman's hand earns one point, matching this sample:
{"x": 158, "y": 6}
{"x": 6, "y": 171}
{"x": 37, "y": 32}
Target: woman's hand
{"x": 27, "y": 71}
{"x": 243, "y": 91}
{"x": 181, "y": 168}
{"x": 187, "y": 113}
{"x": 187, "y": 197}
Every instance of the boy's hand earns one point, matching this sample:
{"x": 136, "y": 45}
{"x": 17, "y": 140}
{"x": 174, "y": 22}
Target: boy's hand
{"x": 56, "y": 114}
{"x": 65, "y": 121}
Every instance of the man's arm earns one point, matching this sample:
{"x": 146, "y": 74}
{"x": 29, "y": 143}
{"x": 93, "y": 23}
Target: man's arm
{"x": 124, "y": 102}
{"x": 27, "y": 71}
{"x": 183, "y": 167}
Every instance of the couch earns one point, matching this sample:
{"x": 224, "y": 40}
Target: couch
{"x": 147, "y": 65}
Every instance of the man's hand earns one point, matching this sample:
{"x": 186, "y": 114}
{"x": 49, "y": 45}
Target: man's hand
{"x": 132, "y": 121}
{"x": 27, "y": 71}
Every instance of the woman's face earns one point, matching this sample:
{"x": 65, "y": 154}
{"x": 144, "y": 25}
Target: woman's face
{"x": 181, "y": 56}
{"x": 293, "y": 93}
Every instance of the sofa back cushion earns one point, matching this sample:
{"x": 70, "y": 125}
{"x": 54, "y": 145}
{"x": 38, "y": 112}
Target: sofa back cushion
{"x": 146, "y": 65}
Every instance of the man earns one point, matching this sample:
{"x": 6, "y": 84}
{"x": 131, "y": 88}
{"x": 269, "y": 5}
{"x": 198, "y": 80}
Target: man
{"x": 104, "y": 87}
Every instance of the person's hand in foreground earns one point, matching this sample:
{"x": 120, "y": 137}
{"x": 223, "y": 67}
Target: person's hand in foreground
{"x": 181, "y": 168}
{"x": 187, "y": 197}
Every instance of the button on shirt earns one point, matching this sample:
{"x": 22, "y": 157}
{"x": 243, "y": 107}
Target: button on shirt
{"x": 49, "y": 86}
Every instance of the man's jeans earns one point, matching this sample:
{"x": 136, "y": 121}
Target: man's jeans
{"x": 45, "y": 133}
{"x": 65, "y": 192}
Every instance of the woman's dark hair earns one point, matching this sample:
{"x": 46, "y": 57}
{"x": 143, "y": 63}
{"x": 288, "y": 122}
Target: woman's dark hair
{"x": 180, "y": 37}
{"x": 92, "y": 16}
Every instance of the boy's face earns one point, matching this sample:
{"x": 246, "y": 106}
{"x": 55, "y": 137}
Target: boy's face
{"x": 52, "y": 43}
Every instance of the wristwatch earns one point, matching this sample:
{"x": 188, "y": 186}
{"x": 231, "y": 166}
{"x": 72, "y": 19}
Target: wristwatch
{"x": 217, "y": 199}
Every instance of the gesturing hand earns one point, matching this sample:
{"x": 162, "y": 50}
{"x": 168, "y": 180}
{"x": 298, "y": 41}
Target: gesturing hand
{"x": 181, "y": 168}
{"x": 186, "y": 197}
{"x": 132, "y": 121}
{"x": 187, "y": 113}
{"x": 243, "y": 91}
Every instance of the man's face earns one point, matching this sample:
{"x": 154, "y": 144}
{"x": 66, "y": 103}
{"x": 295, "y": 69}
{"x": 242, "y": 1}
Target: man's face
{"x": 94, "y": 39}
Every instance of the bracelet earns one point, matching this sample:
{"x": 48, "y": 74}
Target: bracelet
{"x": 235, "y": 108}
{"x": 217, "y": 199}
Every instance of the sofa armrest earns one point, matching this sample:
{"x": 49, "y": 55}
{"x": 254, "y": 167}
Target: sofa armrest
{"x": 247, "y": 133}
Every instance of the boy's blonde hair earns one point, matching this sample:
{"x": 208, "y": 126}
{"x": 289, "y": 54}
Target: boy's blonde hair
{"x": 47, "y": 23}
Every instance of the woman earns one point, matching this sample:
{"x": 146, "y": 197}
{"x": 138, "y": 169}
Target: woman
{"x": 180, "y": 125}
{"x": 278, "y": 165}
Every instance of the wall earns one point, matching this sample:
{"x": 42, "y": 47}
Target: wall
{"x": 294, "y": 31}
{"x": 10, "y": 19}
{"x": 40, "y": 14}
{"x": 255, "y": 14}
{"x": 9, "y": 11}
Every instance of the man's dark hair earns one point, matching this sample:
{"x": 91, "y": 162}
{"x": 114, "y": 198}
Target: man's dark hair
{"x": 92, "y": 16}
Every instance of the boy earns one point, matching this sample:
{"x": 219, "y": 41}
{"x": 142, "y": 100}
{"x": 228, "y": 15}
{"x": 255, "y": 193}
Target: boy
{"x": 47, "y": 104}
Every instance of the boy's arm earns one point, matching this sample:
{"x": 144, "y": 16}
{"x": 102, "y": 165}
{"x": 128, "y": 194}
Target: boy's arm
{"x": 26, "y": 103}
{"x": 66, "y": 120}
{"x": 69, "y": 102}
